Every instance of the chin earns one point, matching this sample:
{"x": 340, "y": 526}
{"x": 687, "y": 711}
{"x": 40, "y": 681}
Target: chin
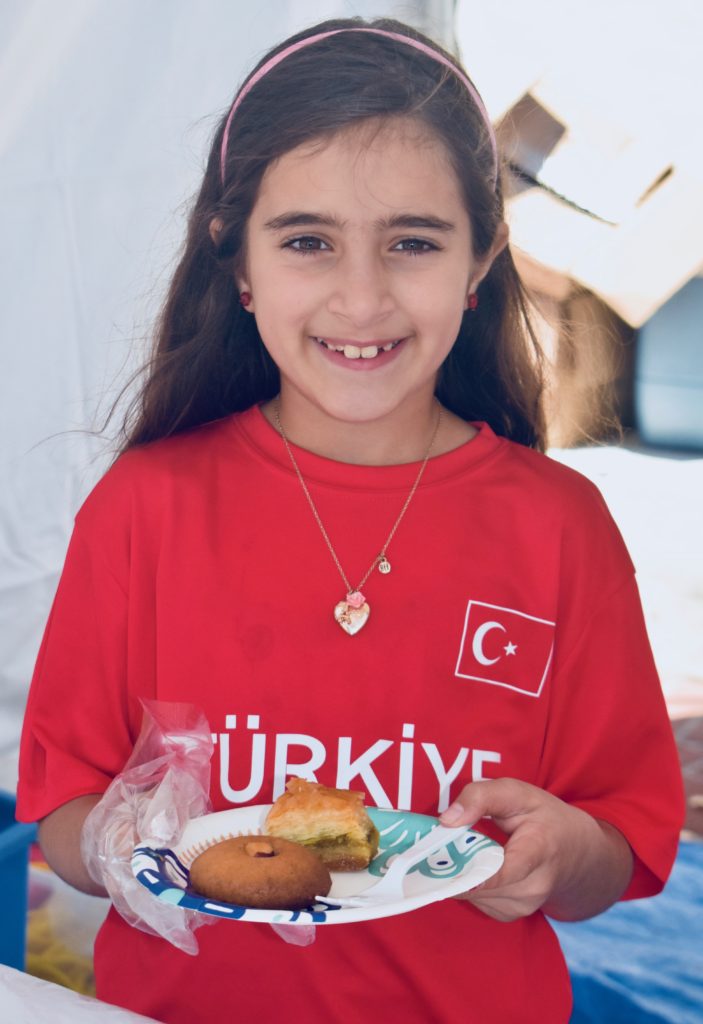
{"x": 356, "y": 412}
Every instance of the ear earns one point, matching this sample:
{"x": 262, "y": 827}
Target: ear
{"x": 215, "y": 227}
{"x": 243, "y": 286}
{"x": 500, "y": 241}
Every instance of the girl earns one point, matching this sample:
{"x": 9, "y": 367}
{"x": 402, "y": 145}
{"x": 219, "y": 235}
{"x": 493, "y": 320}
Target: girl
{"x": 332, "y": 529}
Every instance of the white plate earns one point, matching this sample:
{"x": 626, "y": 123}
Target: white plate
{"x": 456, "y": 868}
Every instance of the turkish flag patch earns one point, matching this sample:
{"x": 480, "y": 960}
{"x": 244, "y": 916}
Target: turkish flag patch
{"x": 505, "y": 647}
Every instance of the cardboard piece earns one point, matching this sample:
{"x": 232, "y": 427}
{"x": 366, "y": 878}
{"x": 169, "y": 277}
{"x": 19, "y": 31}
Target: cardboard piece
{"x": 599, "y": 105}
{"x": 598, "y": 205}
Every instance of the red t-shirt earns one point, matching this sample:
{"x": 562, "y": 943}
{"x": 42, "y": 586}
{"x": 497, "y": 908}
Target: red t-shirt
{"x": 507, "y": 640}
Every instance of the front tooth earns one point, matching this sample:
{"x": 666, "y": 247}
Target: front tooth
{"x": 352, "y": 351}
{"x": 370, "y": 352}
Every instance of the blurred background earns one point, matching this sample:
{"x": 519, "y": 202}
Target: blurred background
{"x": 106, "y": 110}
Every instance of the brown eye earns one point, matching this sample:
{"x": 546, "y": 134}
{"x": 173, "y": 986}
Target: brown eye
{"x": 306, "y": 243}
{"x": 415, "y": 246}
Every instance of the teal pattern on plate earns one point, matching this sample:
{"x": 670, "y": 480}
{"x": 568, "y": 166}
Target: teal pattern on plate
{"x": 399, "y": 830}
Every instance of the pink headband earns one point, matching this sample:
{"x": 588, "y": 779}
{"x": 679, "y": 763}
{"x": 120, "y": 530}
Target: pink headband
{"x": 408, "y": 40}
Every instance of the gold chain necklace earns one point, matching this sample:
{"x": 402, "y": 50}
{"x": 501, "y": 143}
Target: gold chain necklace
{"x": 353, "y": 612}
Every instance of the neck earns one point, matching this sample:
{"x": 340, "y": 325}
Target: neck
{"x": 388, "y": 440}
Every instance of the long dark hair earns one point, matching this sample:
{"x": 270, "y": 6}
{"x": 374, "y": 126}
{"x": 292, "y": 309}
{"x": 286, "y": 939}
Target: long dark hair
{"x": 209, "y": 360}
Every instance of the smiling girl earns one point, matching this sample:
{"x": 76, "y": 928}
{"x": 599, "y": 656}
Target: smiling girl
{"x": 332, "y": 528}
{"x": 359, "y": 265}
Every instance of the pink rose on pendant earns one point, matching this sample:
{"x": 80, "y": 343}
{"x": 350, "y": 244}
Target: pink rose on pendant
{"x": 356, "y": 599}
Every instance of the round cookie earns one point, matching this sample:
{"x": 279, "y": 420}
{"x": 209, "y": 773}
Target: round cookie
{"x": 260, "y": 871}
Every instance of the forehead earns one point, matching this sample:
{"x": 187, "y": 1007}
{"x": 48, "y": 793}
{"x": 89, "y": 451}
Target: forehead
{"x": 396, "y": 164}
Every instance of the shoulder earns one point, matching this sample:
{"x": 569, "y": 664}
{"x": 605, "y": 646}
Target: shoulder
{"x": 550, "y": 482}
{"x": 559, "y": 500}
{"x": 145, "y": 477}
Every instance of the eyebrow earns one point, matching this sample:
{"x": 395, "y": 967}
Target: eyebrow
{"x": 300, "y": 218}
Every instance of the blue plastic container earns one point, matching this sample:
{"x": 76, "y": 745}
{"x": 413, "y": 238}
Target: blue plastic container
{"x": 15, "y": 840}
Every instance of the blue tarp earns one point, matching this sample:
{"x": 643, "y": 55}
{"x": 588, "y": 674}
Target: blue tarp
{"x": 642, "y": 961}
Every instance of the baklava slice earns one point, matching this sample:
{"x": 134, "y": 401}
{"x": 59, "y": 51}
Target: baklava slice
{"x": 332, "y": 822}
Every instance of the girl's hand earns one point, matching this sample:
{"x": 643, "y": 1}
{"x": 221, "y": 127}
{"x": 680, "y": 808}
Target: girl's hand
{"x": 558, "y": 858}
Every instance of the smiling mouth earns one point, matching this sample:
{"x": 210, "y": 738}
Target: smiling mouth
{"x": 358, "y": 351}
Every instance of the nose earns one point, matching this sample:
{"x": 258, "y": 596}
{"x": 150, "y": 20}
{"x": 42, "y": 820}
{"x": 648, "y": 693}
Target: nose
{"x": 361, "y": 291}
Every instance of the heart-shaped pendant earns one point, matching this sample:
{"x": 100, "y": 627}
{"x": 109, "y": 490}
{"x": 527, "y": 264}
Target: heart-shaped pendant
{"x": 351, "y": 618}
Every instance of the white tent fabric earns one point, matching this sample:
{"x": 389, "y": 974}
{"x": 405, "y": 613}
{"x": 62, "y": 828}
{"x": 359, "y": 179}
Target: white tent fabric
{"x": 105, "y": 114}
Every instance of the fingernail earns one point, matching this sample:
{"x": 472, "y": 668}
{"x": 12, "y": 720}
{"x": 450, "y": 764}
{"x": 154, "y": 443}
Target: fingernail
{"x": 452, "y": 814}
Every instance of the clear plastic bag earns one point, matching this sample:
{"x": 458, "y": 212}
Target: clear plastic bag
{"x": 164, "y": 784}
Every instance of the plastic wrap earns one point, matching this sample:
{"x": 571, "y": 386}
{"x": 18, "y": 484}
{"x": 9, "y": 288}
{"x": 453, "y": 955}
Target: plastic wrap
{"x": 165, "y": 782}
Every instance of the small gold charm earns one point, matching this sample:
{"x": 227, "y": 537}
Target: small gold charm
{"x": 384, "y": 566}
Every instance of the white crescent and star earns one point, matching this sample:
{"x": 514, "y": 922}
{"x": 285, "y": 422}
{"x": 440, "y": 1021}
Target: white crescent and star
{"x": 479, "y": 637}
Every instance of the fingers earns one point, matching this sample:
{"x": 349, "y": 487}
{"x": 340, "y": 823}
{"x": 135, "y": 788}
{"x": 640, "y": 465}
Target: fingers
{"x": 521, "y": 858}
{"x": 504, "y": 905}
{"x": 521, "y": 886}
{"x": 557, "y": 857}
{"x": 533, "y": 820}
{"x": 507, "y": 801}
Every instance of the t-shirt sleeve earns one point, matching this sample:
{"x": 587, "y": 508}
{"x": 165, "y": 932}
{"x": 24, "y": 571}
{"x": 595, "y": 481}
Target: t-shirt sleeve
{"x": 80, "y": 723}
{"x": 609, "y": 747}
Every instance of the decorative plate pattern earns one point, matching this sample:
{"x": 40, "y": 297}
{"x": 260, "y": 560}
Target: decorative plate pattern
{"x": 456, "y": 868}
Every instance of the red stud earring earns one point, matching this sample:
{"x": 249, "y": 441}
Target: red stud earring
{"x": 245, "y": 298}
{"x": 473, "y": 302}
